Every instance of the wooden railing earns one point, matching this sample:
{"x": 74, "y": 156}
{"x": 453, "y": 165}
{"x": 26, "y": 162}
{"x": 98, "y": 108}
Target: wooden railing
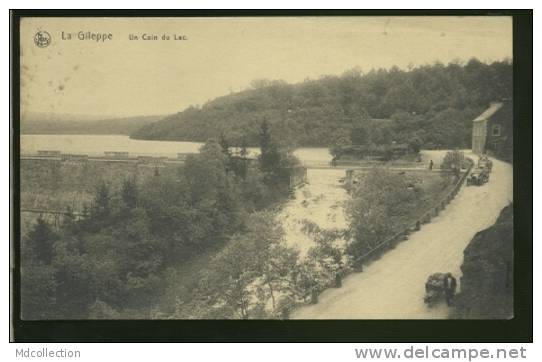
{"x": 416, "y": 225}
{"x": 386, "y": 244}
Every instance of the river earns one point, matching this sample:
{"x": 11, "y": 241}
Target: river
{"x": 321, "y": 201}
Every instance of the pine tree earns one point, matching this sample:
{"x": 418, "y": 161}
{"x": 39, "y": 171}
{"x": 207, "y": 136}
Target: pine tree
{"x": 270, "y": 158}
{"x": 224, "y": 144}
{"x": 129, "y": 193}
{"x": 102, "y": 198}
{"x": 40, "y": 240}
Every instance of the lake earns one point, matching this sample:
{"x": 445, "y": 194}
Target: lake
{"x": 95, "y": 145}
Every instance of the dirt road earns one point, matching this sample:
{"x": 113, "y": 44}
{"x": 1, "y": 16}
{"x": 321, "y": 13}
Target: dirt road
{"x": 393, "y": 287}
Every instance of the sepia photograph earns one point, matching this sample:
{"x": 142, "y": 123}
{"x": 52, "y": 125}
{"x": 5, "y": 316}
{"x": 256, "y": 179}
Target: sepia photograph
{"x": 265, "y": 168}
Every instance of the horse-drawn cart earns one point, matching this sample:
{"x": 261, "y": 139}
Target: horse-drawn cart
{"x": 439, "y": 286}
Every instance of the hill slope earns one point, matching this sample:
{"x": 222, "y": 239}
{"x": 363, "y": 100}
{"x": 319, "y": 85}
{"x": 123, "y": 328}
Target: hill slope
{"x": 37, "y": 123}
{"x": 487, "y": 284}
{"x": 433, "y": 102}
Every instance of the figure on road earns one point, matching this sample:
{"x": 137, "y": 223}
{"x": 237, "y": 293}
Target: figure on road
{"x": 450, "y": 284}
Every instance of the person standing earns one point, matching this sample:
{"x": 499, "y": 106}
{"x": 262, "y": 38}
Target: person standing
{"x": 430, "y": 164}
{"x": 450, "y": 284}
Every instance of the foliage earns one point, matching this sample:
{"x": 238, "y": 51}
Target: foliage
{"x": 453, "y": 161}
{"x": 378, "y": 207}
{"x": 121, "y": 256}
{"x": 435, "y": 103}
{"x": 244, "y": 284}
{"x": 38, "y": 290}
{"x": 325, "y": 259}
{"x": 274, "y": 161}
{"x": 39, "y": 242}
{"x": 51, "y": 123}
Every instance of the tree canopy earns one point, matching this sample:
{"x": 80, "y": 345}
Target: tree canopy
{"x": 121, "y": 256}
{"x": 434, "y": 103}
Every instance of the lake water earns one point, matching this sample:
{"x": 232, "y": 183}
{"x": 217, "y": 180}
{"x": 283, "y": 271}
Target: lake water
{"x": 95, "y": 145}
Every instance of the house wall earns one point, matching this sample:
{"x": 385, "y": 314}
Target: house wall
{"x": 479, "y": 134}
{"x": 499, "y": 140}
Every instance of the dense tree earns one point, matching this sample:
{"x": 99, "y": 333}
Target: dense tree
{"x": 115, "y": 261}
{"x": 453, "y": 161}
{"x": 53, "y": 123}
{"x": 275, "y": 162}
{"x": 243, "y": 283}
{"x": 325, "y": 259}
{"x": 379, "y": 203}
{"x": 234, "y": 275}
{"x": 38, "y": 291}
{"x": 224, "y": 144}
{"x": 38, "y": 283}
{"x": 269, "y": 156}
{"x": 440, "y": 99}
{"x": 39, "y": 241}
{"x": 359, "y": 135}
{"x": 129, "y": 192}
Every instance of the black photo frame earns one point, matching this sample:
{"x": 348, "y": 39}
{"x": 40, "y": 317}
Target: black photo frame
{"x": 518, "y": 329}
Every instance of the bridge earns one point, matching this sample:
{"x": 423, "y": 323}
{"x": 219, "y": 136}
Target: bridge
{"x": 349, "y": 165}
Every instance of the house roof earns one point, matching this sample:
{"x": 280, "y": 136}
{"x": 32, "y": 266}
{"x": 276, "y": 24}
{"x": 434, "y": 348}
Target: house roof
{"x": 493, "y": 108}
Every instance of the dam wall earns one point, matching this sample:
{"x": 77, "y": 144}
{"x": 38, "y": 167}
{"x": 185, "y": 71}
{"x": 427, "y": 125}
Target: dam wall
{"x": 55, "y": 183}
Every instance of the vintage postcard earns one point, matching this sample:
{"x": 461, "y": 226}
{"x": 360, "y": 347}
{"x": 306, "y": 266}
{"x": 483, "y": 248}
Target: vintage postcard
{"x": 284, "y": 167}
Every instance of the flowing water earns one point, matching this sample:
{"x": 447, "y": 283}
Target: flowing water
{"x": 320, "y": 201}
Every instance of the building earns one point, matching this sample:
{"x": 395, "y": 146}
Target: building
{"x": 492, "y": 131}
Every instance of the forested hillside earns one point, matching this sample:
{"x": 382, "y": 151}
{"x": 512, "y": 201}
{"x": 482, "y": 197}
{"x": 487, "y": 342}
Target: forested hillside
{"x": 36, "y": 123}
{"x": 433, "y": 102}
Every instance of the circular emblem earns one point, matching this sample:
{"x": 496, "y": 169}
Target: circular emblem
{"x": 42, "y": 39}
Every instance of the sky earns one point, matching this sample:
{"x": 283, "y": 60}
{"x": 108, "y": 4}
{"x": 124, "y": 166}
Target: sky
{"x": 123, "y": 77}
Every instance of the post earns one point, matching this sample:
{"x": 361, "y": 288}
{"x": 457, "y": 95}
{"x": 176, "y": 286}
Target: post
{"x": 314, "y": 295}
{"x": 338, "y": 280}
